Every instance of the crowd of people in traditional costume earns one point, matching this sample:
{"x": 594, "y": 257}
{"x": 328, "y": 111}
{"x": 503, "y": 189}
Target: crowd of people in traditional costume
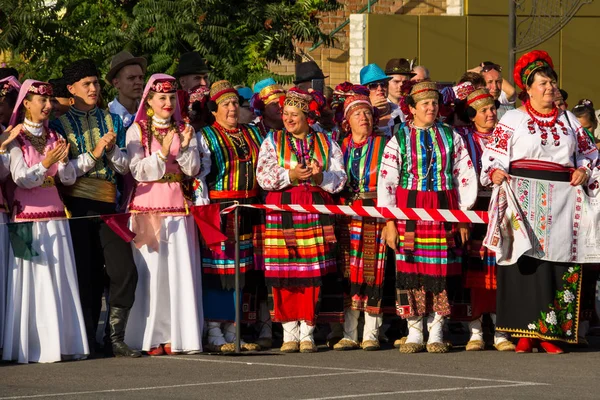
{"x": 124, "y": 204}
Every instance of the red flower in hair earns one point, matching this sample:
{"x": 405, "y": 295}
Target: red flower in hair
{"x": 522, "y": 70}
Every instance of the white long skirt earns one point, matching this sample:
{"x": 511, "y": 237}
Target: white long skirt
{"x": 4, "y": 245}
{"x": 44, "y": 322}
{"x": 168, "y": 297}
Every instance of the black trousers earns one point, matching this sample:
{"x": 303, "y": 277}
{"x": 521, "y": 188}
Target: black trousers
{"x": 97, "y": 247}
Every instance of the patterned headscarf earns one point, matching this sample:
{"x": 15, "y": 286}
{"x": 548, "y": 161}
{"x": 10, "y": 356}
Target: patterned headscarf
{"x": 158, "y": 83}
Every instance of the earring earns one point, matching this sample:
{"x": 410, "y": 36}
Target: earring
{"x": 150, "y": 112}
{"x": 28, "y": 114}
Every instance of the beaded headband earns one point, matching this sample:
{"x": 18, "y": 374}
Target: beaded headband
{"x": 221, "y": 91}
{"x": 271, "y": 93}
{"x": 41, "y": 88}
{"x": 299, "y": 100}
{"x": 424, "y": 91}
{"x": 355, "y": 102}
{"x": 164, "y": 86}
{"x": 480, "y": 98}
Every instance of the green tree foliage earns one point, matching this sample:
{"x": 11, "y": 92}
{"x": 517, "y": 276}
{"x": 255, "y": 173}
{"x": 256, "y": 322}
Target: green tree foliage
{"x": 237, "y": 37}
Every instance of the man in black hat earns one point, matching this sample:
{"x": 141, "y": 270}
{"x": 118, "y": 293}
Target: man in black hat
{"x": 309, "y": 76}
{"x": 97, "y": 139}
{"x": 61, "y": 97}
{"x": 127, "y": 76}
{"x": 5, "y": 72}
{"x": 192, "y": 71}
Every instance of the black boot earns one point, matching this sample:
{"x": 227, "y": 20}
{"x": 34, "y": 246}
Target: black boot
{"x": 118, "y": 321}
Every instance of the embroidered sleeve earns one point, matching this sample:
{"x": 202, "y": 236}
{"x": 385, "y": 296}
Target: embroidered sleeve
{"x": 464, "y": 175}
{"x": 497, "y": 153}
{"x": 587, "y": 152}
{"x": 143, "y": 169}
{"x": 200, "y": 188}
{"x": 335, "y": 177}
{"x": 189, "y": 160}
{"x": 269, "y": 174}
{"x": 25, "y": 177}
{"x": 389, "y": 174}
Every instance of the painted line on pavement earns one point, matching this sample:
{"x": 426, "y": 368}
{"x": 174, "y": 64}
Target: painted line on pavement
{"x": 183, "y": 385}
{"x": 363, "y": 371}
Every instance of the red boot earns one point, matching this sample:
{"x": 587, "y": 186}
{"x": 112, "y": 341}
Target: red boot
{"x": 550, "y": 348}
{"x": 525, "y": 345}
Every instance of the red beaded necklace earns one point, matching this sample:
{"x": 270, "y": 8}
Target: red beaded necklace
{"x": 545, "y": 126}
{"x": 533, "y": 114}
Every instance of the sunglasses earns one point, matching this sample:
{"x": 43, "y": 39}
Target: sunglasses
{"x": 489, "y": 67}
{"x": 375, "y": 85}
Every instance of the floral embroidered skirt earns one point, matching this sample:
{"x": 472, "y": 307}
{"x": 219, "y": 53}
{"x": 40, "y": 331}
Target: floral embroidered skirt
{"x": 539, "y": 299}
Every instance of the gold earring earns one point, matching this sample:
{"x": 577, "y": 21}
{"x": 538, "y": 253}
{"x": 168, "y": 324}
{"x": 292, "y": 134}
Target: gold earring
{"x": 28, "y": 114}
{"x": 150, "y": 112}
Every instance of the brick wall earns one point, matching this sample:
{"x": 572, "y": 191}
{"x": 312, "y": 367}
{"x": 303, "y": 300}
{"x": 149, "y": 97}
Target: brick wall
{"x": 335, "y": 60}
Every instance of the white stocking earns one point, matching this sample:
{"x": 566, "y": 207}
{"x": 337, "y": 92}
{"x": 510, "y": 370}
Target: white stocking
{"x": 351, "y": 324}
{"x": 415, "y": 330}
{"x": 476, "y": 329}
{"x": 306, "y": 332}
{"x": 291, "y": 331}
{"x": 372, "y": 324}
{"x": 215, "y": 334}
{"x": 435, "y": 325}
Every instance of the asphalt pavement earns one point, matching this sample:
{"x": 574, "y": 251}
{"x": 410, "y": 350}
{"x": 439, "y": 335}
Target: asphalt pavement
{"x": 384, "y": 374}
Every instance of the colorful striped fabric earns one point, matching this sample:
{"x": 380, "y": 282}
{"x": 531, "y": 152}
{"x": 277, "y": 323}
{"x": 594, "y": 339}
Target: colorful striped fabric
{"x": 289, "y": 160}
{"x": 312, "y": 258}
{"x": 362, "y": 163}
{"x": 83, "y": 130}
{"x": 309, "y": 254}
{"x": 417, "y": 166}
{"x": 361, "y": 249}
{"x": 228, "y": 171}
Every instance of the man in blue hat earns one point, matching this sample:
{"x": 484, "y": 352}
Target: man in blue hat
{"x": 265, "y": 104}
{"x": 374, "y": 78}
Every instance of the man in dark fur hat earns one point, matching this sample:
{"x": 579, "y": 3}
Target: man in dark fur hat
{"x": 97, "y": 139}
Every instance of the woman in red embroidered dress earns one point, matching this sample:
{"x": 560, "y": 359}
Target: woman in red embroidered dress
{"x": 534, "y": 149}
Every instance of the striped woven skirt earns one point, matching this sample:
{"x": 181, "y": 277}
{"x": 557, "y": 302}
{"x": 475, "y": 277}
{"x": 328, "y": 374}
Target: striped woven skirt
{"x": 218, "y": 267}
{"x": 299, "y": 253}
{"x": 362, "y": 260}
{"x": 427, "y": 255}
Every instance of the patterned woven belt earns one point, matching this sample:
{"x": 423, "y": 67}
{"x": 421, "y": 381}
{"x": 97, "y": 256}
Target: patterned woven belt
{"x": 48, "y": 182}
{"x": 171, "y": 178}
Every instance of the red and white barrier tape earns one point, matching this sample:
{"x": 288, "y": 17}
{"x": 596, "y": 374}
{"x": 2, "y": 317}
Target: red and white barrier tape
{"x": 413, "y": 214}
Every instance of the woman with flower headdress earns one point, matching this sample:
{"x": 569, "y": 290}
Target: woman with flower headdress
{"x": 425, "y": 165}
{"x": 363, "y": 252}
{"x": 234, "y": 151}
{"x": 167, "y": 314}
{"x": 9, "y": 90}
{"x": 44, "y": 321}
{"x": 299, "y": 166}
{"x": 478, "y": 113}
{"x": 540, "y": 160}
